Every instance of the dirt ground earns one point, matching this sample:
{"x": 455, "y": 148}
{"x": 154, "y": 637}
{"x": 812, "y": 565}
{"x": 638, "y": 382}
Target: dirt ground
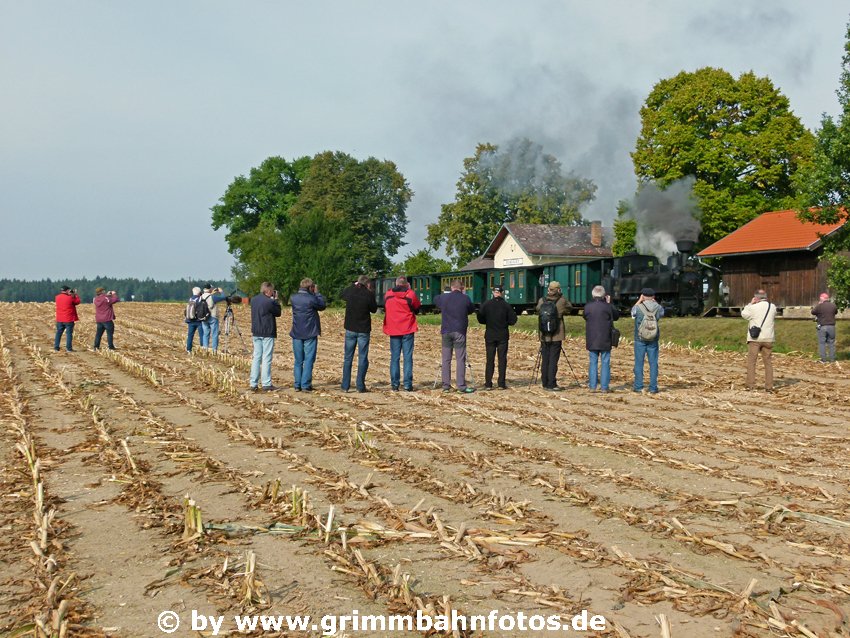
{"x": 705, "y": 510}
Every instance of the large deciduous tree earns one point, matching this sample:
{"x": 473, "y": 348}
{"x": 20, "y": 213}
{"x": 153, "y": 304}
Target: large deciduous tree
{"x": 336, "y": 217}
{"x": 422, "y": 262}
{"x": 737, "y": 137}
{"x": 514, "y": 183}
{"x": 825, "y": 185}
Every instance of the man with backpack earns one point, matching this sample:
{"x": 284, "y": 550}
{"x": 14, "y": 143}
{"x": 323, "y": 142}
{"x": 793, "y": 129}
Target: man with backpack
{"x": 455, "y": 307}
{"x": 761, "y": 318}
{"x": 194, "y": 308}
{"x": 550, "y": 314}
{"x": 496, "y": 314}
{"x": 646, "y": 313}
{"x": 209, "y": 324}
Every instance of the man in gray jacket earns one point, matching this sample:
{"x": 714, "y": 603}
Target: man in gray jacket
{"x": 761, "y": 317}
{"x": 826, "y": 312}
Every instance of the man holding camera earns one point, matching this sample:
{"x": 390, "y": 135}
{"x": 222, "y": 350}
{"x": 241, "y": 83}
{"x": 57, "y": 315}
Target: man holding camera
{"x": 761, "y": 317}
{"x": 210, "y": 325}
{"x": 825, "y": 312}
{"x": 599, "y": 317}
{"x": 455, "y": 307}
{"x": 360, "y": 303}
{"x": 400, "y": 307}
{"x": 306, "y": 328}
{"x": 104, "y": 315}
{"x": 646, "y": 313}
{"x": 551, "y": 341}
{"x": 66, "y": 314}
{"x": 265, "y": 309}
{"x": 496, "y": 314}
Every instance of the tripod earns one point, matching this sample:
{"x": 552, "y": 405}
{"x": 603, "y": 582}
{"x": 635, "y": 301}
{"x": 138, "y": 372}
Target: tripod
{"x": 537, "y": 364}
{"x": 230, "y": 326}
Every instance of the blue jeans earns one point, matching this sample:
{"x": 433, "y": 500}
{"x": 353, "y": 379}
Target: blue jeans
{"x": 204, "y": 329}
{"x": 194, "y": 326}
{"x": 263, "y": 351}
{"x": 359, "y": 340}
{"x": 109, "y": 328}
{"x": 212, "y": 333}
{"x": 593, "y": 369}
{"x": 398, "y": 345}
{"x": 305, "y": 356}
{"x": 649, "y": 349}
{"x": 62, "y": 326}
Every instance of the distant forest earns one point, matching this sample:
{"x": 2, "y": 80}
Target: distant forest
{"x": 127, "y": 289}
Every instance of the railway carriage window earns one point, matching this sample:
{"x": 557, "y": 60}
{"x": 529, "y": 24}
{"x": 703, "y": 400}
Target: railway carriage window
{"x": 512, "y": 280}
{"x": 501, "y": 279}
{"x": 522, "y": 280}
{"x": 578, "y": 277}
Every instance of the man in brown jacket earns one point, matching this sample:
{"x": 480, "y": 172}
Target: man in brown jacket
{"x": 550, "y": 342}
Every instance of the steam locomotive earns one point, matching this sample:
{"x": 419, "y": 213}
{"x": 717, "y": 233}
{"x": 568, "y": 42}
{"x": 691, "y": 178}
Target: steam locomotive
{"x": 680, "y": 283}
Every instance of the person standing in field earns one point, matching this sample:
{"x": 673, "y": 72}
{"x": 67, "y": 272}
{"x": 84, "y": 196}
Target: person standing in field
{"x": 210, "y": 326}
{"x": 400, "y": 307}
{"x": 455, "y": 307}
{"x": 104, "y": 315}
{"x": 265, "y": 309}
{"x": 761, "y": 317}
{"x": 306, "y": 328}
{"x": 599, "y": 317}
{"x": 497, "y": 315}
{"x": 647, "y": 312}
{"x": 825, "y": 312}
{"x": 550, "y": 312}
{"x": 193, "y": 324}
{"x": 66, "y": 315}
{"x": 360, "y": 303}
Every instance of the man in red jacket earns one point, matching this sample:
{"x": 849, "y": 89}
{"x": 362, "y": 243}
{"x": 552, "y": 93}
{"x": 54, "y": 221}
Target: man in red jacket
{"x": 66, "y": 315}
{"x": 400, "y": 307}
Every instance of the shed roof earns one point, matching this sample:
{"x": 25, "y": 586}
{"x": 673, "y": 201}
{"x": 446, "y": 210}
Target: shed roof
{"x": 775, "y": 231}
{"x": 553, "y": 240}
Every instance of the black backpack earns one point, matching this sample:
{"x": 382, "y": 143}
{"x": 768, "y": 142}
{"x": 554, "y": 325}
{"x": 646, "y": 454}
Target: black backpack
{"x": 548, "y": 318}
{"x": 202, "y": 308}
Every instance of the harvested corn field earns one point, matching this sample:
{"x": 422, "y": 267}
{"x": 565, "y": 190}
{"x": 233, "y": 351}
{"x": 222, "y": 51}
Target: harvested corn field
{"x": 148, "y": 479}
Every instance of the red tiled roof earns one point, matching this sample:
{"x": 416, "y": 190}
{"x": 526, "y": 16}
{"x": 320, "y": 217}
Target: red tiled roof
{"x": 776, "y": 231}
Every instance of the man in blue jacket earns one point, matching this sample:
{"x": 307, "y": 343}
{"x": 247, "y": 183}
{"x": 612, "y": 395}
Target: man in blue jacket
{"x": 265, "y": 309}
{"x": 455, "y": 306}
{"x": 306, "y": 328}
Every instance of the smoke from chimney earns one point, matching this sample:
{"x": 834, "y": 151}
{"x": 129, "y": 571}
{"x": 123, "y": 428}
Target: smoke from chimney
{"x": 664, "y": 217}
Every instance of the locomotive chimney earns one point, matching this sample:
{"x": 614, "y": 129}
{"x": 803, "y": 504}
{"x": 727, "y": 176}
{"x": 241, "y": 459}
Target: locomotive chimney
{"x": 596, "y": 233}
{"x": 685, "y": 246}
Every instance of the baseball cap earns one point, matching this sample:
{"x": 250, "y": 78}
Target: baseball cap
{"x": 647, "y": 292}
{"x": 66, "y": 288}
{"x": 498, "y": 289}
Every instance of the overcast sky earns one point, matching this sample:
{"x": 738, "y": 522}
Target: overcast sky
{"x": 121, "y": 123}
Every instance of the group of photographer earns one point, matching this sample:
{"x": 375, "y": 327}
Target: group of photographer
{"x": 202, "y": 316}
{"x": 66, "y": 317}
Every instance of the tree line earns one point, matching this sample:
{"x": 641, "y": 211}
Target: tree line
{"x": 129, "y": 289}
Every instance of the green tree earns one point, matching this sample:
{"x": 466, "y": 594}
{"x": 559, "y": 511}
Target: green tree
{"x": 517, "y": 183}
{"x": 825, "y": 185}
{"x": 737, "y": 137}
{"x": 625, "y": 230}
{"x": 266, "y": 194}
{"x": 422, "y": 262}
{"x": 348, "y": 217}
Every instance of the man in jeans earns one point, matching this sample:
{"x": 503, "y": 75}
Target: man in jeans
{"x": 210, "y": 327}
{"x": 455, "y": 306}
{"x": 646, "y": 349}
{"x": 306, "y": 328}
{"x": 400, "y": 307}
{"x": 599, "y": 317}
{"x": 825, "y": 312}
{"x": 66, "y": 315}
{"x": 104, "y": 316}
{"x": 762, "y": 314}
{"x": 360, "y": 303}
{"x": 265, "y": 309}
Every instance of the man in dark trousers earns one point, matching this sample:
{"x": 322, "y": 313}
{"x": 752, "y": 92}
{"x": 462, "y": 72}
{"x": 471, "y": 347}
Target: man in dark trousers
{"x": 599, "y": 317}
{"x": 496, "y": 314}
{"x": 550, "y": 344}
{"x": 455, "y": 306}
{"x": 265, "y": 309}
{"x": 825, "y": 312}
{"x": 360, "y": 303}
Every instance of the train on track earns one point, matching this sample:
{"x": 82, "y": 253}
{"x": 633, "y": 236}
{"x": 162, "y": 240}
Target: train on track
{"x": 681, "y": 283}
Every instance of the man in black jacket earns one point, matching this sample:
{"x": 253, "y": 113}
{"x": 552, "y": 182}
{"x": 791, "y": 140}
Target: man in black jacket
{"x": 496, "y": 314}
{"x": 599, "y": 317}
{"x": 360, "y": 303}
{"x": 265, "y": 309}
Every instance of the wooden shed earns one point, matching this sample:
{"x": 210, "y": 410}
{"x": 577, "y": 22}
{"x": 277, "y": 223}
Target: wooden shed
{"x": 777, "y": 252}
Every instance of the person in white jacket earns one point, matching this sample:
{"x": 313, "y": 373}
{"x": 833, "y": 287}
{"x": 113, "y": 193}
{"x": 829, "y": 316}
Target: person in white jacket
{"x": 761, "y": 317}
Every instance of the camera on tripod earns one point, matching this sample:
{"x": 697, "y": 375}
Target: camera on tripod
{"x": 233, "y": 298}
